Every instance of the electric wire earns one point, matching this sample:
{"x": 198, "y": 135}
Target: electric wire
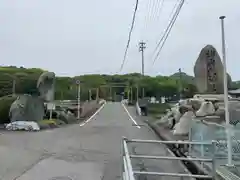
{"x": 171, "y": 17}
{"x": 168, "y": 30}
{"x": 129, "y": 35}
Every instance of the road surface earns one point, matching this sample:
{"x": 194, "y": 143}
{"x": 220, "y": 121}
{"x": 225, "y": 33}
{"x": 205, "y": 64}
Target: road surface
{"x": 91, "y": 151}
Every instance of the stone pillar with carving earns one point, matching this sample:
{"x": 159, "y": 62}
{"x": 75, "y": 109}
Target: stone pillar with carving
{"x": 208, "y": 71}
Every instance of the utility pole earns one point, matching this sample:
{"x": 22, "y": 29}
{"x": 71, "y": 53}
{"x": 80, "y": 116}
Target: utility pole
{"x": 137, "y": 93}
{"x": 131, "y": 94}
{"x": 228, "y": 126}
{"x": 61, "y": 94}
{"x": 90, "y": 94}
{"x": 142, "y": 46}
{"x": 78, "y": 98}
{"x": 111, "y": 92}
{"x": 180, "y": 83}
{"x": 13, "y": 87}
{"x": 97, "y": 94}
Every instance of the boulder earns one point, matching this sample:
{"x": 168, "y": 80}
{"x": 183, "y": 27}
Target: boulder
{"x": 206, "y": 108}
{"x": 66, "y": 116}
{"x": 196, "y": 103}
{"x": 185, "y": 108}
{"x": 27, "y": 108}
{"x": 177, "y": 115}
{"x": 31, "y": 108}
{"x": 183, "y": 126}
{"x": 45, "y": 86}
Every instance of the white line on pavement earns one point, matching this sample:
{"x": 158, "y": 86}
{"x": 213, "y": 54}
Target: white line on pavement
{"x": 89, "y": 119}
{"x": 130, "y": 116}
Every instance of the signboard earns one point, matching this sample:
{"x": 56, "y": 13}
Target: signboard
{"x": 163, "y": 100}
{"x": 153, "y": 100}
{"x": 51, "y": 106}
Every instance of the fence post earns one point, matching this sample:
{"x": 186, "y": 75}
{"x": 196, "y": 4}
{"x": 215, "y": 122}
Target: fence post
{"x": 214, "y": 159}
{"x": 190, "y": 138}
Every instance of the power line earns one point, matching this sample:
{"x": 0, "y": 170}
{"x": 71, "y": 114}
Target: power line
{"x": 171, "y": 18}
{"x": 158, "y": 8}
{"x": 130, "y": 34}
{"x": 148, "y": 9}
{"x": 154, "y": 10}
{"x": 169, "y": 29}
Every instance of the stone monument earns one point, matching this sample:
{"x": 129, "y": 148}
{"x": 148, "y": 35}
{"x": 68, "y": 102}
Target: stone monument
{"x": 46, "y": 86}
{"x": 31, "y": 108}
{"x": 208, "y": 71}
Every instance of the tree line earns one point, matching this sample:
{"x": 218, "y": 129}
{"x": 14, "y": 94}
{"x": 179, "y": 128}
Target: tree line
{"x": 20, "y": 80}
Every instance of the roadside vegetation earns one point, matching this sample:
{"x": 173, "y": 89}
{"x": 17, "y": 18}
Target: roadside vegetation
{"x": 20, "y": 80}
{"x": 156, "y": 110}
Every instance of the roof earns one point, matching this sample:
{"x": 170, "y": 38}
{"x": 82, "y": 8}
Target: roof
{"x": 237, "y": 91}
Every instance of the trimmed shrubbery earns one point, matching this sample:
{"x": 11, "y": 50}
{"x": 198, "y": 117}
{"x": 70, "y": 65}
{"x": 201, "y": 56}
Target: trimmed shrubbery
{"x": 5, "y": 104}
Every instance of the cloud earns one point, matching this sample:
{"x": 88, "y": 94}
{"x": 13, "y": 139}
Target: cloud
{"x": 75, "y": 37}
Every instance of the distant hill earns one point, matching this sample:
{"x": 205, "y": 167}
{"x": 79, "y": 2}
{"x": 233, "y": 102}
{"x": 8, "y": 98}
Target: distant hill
{"x": 185, "y": 77}
{"x": 190, "y": 79}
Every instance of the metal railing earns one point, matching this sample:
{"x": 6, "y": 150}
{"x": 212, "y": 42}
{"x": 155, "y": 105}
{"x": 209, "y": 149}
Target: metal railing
{"x": 129, "y": 173}
{"x": 202, "y": 130}
{"x": 206, "y": 132}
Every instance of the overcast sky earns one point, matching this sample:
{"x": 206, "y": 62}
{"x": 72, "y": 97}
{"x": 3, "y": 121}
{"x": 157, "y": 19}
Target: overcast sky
{"x": 73, "y": 37}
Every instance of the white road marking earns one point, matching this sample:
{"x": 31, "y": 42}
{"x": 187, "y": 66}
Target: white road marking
{"x": 130, "y": 116}
{"x": 89, "y": 119}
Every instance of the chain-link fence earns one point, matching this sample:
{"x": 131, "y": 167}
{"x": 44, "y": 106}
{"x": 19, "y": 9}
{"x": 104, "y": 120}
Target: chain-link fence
{"x": 206, "y": 132}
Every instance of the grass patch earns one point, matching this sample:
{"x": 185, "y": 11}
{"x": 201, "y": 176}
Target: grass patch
{"x": 50, "y": 123}
{"x": 5, "y": 104}
{"x": 157, "y": 110}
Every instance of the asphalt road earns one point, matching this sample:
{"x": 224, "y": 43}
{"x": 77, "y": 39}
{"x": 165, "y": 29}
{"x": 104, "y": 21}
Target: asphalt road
{"x": 91, "y": 151}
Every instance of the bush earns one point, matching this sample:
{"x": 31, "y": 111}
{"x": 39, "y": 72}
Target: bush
{"x": 158, "y": 108}
{"x": 5, "y": 104}
{"x": 47, "y": 123}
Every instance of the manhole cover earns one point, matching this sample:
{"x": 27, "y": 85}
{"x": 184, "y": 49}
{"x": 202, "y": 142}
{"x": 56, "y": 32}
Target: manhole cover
{"x": 61, "y": 178}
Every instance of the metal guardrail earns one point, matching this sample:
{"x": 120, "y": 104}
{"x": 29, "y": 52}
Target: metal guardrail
{"x": 129, "y": 174}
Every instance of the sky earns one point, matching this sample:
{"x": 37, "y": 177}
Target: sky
{"x": 74, "y": 37}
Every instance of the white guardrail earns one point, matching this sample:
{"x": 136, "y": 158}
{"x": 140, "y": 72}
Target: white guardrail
{"x": 129, "y": 174}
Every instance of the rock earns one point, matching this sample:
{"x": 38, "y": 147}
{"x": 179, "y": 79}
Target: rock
{"x": 208, "y": 71}
{"x": 177, "y": 115}
{"x": 185, "y": 108}
{"x": 27, "y": 108}
{"x": 183, "y": 102}
{"x": 221, "y": 113}
{"x": 31, "y": 108}
{"x": 171, "y": 122}
{"x": 196, "y": 103}
{"x": 207, "y": 108}
{"x": 183, "y": 126}
{"x": 23, "y": 125}
{"x": 66, "y": 117}
{"x": 45, "y": 86}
